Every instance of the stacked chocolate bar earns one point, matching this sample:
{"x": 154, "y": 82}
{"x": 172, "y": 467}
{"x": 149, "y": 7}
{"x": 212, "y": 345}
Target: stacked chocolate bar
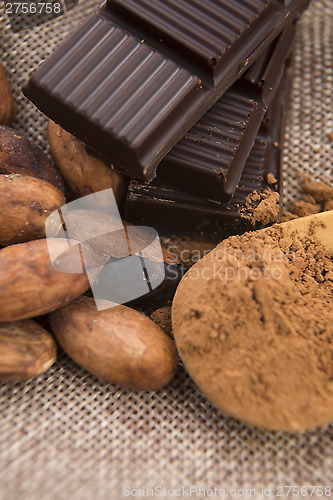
{"x": 184, "y": 96}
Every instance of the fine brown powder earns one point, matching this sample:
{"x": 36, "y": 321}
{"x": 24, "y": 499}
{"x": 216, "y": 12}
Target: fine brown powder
{"x": 263, "y": 208}
{"x": 316, "y": 197}
{"x": 253, "y": 322}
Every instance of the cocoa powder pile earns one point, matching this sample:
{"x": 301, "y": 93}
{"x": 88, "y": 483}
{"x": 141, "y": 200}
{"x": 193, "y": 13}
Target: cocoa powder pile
{"x": 316, "y": 197}
{"x": 253, "y": 322}
{"x": 262, "y": 207}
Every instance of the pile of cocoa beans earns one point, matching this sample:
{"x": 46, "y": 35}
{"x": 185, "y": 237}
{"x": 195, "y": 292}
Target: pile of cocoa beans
{"x": 40, "y": 306}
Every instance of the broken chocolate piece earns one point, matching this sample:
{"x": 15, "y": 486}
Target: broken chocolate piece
{"x": 209, "y": 159}
{"x": 171, "y": 211}
{"x": 135, "y": 76}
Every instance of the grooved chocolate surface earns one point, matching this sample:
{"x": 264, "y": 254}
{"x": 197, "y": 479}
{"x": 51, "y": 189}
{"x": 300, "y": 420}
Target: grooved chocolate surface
{"x": 130, "y": 92}
{"x": 206, "y": 161}
{"x": 209, "y": 159}
{"x": 204, "y": 31}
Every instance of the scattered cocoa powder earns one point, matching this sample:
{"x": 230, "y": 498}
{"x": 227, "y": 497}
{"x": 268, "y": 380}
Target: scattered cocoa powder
{"x": 270, "y": 179}
{"x": 302, "y": 208}
{"x": 328, "y": 205}
{"x": 287, "y": 215}
{"x": 316, "y": 196}
{"x": 162, "y": 317}
{"x": 320, "y": 191}
{"x": 263, "y": 208}
{"x": 253, "y": 322}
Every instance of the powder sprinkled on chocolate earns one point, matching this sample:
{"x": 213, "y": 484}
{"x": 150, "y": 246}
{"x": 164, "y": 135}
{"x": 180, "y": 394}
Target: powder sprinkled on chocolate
{"x": 270, "y": 179}
{"x": 253, "y": 322}
{"x": 263, "y": 208}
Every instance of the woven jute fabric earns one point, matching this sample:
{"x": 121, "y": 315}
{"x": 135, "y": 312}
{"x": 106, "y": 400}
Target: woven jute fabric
{"x": 68, "y": 435}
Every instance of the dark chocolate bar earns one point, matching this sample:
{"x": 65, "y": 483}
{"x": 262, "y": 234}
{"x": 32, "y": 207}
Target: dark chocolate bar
{"x": 209, "y": 159}
{"x": 171, "y": 211}
{"x": 136, "y": 75}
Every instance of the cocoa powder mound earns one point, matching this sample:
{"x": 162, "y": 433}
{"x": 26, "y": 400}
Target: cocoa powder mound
{"x": 253, "y": 322}
{"x": 262, "y": 207}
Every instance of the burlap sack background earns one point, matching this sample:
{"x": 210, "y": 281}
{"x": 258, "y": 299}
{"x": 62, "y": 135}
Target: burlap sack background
{"x": 67, "y": 435}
